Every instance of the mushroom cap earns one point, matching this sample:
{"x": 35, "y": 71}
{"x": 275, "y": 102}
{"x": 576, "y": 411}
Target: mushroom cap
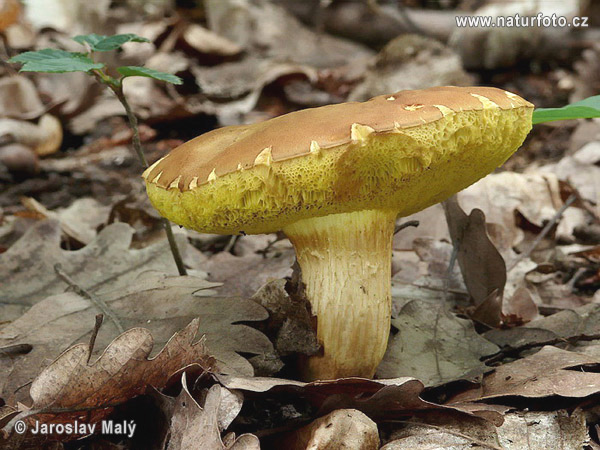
{"x": 402, "y": 152}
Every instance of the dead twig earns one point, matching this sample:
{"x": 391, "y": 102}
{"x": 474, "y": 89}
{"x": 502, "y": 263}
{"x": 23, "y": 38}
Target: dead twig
{"x": 232, "y": 241}
{"x": 97, "y": 325}
{"x": 17, "y": 349}
{"x": 85, "y": 294}
{"x": 543, "y": 233}
{"x": 402, "y": 226}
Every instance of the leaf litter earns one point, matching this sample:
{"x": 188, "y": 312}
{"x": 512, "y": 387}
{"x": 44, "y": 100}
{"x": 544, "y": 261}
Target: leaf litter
{"x": 473, "y": 334}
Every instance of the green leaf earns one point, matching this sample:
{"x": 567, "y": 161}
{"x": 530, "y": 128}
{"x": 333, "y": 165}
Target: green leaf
{"x": 55, "y": 61}
{"x": 584, "y": 109}
{"x": 136, "y": 71}
{"x": 100, "y": 43}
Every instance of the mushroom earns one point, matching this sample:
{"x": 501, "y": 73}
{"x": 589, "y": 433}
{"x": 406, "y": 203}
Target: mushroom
{"x": 335, "y": 179}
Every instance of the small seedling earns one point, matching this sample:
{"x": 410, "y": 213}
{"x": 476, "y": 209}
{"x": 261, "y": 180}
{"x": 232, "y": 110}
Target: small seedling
{"x": 60, "y": 61}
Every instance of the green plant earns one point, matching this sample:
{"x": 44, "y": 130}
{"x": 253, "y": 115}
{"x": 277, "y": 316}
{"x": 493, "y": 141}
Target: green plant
{"x": 584, "y": 109}
{"x": 60, "y": 61}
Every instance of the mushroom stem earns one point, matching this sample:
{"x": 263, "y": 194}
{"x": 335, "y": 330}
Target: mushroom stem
{"x": 346, "y": 267}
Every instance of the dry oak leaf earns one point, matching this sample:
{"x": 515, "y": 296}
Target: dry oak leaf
{"x": 533, "y": 430}
{"x": 199, "y": 428}
{"x": 72, "y": 389}
{"x": 161, "y": 303}
{"x": 378, "y": 399}
{"x": 340, "y": 429}
{"x": 549, "y": 372}
{"x": 434, "y": 346}
{"x": 27, "y": 267}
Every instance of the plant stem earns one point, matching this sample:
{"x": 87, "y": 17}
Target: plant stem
{"x": 133, "y": 123}
{"x": 117, "y": 88}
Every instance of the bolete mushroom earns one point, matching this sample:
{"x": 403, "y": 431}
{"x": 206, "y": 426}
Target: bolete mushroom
{"x": 335, "y": 179}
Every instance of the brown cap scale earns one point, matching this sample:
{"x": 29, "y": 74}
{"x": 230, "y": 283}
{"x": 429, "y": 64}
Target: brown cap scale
{"x": 334, "y": 179}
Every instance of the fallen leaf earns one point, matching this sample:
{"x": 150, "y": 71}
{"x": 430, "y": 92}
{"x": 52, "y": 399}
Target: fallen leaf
{"x": 269, "y": 28}
{"x": 409, "y": 62}
{"x": 72, "y": 389}
{"x": 378, "y": 399}
{"x": 162, "y": 304}
{"x": 19, "y": 98}
{"x": 581, "y": 170}
{"x": 196, "y": 427}
{"x": 491, "y": 47}
{"x": 105, "y": 263}
{"x": 533, "y": 430}
{"x": 232, "y": 89}
{"x": 530, "y": 430}
{"x": 289, "y": 322}
{"x": 206, "y": 41}
{"x": 564, "y": 325}
{"x": 79, "y": 221}
{"x": 343, "y": 428}
{"x": 244, "y": 275}
{"x": 434, "y": 346}
{"x": 435, "y": 431}
{"x": 44, "y": 138}
{"x": 481, "y": 264}
{"x": 549, "y": 372}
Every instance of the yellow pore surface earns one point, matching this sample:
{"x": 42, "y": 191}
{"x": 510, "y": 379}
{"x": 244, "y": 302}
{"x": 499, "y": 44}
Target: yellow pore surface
{"x": 404, "y": 170}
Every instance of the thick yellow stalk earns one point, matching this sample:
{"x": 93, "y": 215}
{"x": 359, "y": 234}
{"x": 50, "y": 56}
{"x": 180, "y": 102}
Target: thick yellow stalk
{"x": 346, "y": 267}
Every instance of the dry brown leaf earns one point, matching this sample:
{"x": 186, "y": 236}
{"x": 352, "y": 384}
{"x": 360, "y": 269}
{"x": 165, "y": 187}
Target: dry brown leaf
{"x": 162, "y": 304}
{"x": 270, "y": 30}
{"x": 107, "y": 262}
{"x": 482, "y": 266}
{"x": 199, "y": 428}
{"x": 582, "y": 172}
{"x": 44, "y": 138}
{"x": 206, "y": 41}
{"x": 434, "y": 346}
{"x": 290, "y": 323}
{"x": 244, "y": 275}
{"x": 411, "y": 62}
{"x": 520, "y": 431}
{"x": 534, "y": 430}
{"x": 79, "y": 221}
{"x": 566, "y": 325}
{"x": 549, "y": 372}
{"x": 378, "y": 399}
{"x": 240, "y": 84}
{"x": 434, "y": 431}
{"x": 341, "y": 429}
{"x": 19, "y": 98}
{"x": 72, "y": 389}
{"x": 496, "y": 47}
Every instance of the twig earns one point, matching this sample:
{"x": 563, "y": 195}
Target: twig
{"x": 446, "y": 430}
{"x": 18, "y": 349}
{"x": 543, "y": 233}
{"x": 137, "y": 145}
{"x": 402, "y": 226}
{"x": 117, "y": 87}
{"x": 97, "y": 325}
{"x": 508, "y": 350}
{"x": 450, "y": 269}
{"x": 230, "y": 244}
{"x": 84, "y": 293}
